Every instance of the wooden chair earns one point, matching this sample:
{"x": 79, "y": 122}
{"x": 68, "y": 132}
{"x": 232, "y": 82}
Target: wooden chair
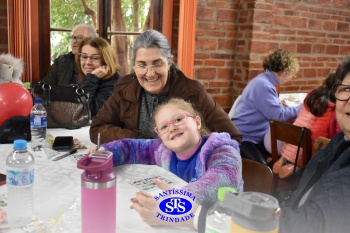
{"x": 257, "y": 177}
{"x": 289, "y": 133}
{"x": 319, "y": 143}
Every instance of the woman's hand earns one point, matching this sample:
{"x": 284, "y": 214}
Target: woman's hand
{"x": 284, "y": 103}
{"x": 101, "y": 71}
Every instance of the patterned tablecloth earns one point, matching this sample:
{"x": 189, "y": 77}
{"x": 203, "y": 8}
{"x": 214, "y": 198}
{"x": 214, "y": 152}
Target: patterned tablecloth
{"x": 57, "y": 192}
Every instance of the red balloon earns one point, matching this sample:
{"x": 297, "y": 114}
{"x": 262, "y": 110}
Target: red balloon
{"x": 15, "y": 100}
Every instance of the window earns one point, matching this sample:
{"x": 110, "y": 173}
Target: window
{"x": 118, "y": 21}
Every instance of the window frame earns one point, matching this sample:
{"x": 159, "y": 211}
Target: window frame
{"x": 103, "y": 21}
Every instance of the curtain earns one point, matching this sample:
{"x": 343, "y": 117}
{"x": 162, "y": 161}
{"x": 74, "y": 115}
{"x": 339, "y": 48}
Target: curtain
{"x": 19, "y": 36}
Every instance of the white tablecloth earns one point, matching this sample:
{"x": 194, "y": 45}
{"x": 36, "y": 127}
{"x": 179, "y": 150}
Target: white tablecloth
{"x": 57, "y": 191}
{"x": 293, "y": 99}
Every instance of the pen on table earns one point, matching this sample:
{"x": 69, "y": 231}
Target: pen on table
{"x": 98, "y": 141}
{"x": 65, "y": 155}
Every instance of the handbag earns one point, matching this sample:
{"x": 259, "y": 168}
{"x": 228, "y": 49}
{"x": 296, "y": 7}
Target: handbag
{"x": 66, "y": 106}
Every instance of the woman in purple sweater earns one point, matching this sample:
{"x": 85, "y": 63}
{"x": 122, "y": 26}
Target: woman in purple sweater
{"x": 206, "y": 162}
{"x": 259, "y": 103}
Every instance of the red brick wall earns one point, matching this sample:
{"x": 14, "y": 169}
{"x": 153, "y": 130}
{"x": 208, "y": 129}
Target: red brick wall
{"x": 233, "y": 37}
{"x": 3, "y": 27}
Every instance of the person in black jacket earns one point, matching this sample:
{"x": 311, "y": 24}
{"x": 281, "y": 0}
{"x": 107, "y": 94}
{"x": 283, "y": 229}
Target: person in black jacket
{"x": 64, "y": 71}
{"x": 321, "y": 203}
{"x": 98, "y": 71}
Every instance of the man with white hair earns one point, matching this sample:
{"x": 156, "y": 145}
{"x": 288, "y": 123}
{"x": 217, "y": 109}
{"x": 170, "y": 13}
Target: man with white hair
{"x": 64, "y": 71}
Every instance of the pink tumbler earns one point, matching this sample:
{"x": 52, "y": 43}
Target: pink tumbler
{"x": 98, "y": 193}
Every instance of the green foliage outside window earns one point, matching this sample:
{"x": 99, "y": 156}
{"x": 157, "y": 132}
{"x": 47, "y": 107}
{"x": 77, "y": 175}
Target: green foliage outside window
{"x": 65, "y": 14}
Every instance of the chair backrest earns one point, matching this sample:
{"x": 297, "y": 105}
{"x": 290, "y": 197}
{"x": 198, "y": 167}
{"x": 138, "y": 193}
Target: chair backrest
{"x": 257, "y": 177}
{"x": 232, "y": 112}
{"x": 289, "y": 133}
{"x": 319, "y": 143}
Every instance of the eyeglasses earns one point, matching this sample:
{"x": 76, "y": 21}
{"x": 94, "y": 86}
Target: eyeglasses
{"x": 93, "y": 58}
{"x": 142, "y": 69}
{"x": 177, "y": 120}
{"x": 76, "y": 38}
{"x": 342, "y": 92}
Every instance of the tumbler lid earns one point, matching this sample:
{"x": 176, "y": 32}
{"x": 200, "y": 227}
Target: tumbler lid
{"x": 253, "y": 212}
{"x": 98, "y": 166}
{"x": 253, "y": 205}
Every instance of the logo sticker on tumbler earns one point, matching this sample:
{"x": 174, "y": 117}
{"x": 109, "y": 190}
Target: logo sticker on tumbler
{"x": 175, "y": 205}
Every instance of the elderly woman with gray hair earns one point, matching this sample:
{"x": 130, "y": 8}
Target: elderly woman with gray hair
{"x": 128, "y": 112}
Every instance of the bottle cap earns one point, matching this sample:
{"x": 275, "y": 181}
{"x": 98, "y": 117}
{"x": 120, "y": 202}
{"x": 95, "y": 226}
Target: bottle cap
{"x": 222, "y": 192}
{"x": 19, "y": 144}
{"x": 38, "y": 101}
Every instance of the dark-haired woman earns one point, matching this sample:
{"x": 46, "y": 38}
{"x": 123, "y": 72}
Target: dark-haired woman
{"x": 316, "y": 115}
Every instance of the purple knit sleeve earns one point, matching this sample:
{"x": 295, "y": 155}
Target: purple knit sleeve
{"x": 220, "y": 165}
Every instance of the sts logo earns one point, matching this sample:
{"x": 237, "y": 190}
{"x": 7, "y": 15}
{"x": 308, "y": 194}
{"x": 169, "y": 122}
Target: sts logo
{"x": 175, "y": 206}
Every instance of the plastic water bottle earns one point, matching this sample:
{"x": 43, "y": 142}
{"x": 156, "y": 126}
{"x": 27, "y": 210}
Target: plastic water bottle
{"x": 38, "y": 125}
{"x": 219, "y": 216}
{"x": 20, "y": 181}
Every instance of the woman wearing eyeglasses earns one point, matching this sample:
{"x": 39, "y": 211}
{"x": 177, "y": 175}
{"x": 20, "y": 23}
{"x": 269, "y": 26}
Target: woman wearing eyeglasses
{"x": 64, "y": 71}
{"x": 321, "y": 202}
{"x": 98, "y": 71}
{"x": 128, "y": 113}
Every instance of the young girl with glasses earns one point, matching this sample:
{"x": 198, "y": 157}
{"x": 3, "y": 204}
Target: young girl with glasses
{"x": 205, "y": 161}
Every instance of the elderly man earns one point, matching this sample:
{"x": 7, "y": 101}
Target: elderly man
{"x": 64, "y": 71}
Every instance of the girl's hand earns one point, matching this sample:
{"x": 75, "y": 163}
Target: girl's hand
{"x": 101, "y": 71}
{"x": 93, "y": 148}
{"x": 147, "y": 207}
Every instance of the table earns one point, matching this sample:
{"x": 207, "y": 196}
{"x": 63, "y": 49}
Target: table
{"x": 57, "y": 191}
{"x": 293, "y": 99}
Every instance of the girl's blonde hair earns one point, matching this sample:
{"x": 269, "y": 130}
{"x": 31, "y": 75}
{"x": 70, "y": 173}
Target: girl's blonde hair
{"x": 187, "y": 107}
